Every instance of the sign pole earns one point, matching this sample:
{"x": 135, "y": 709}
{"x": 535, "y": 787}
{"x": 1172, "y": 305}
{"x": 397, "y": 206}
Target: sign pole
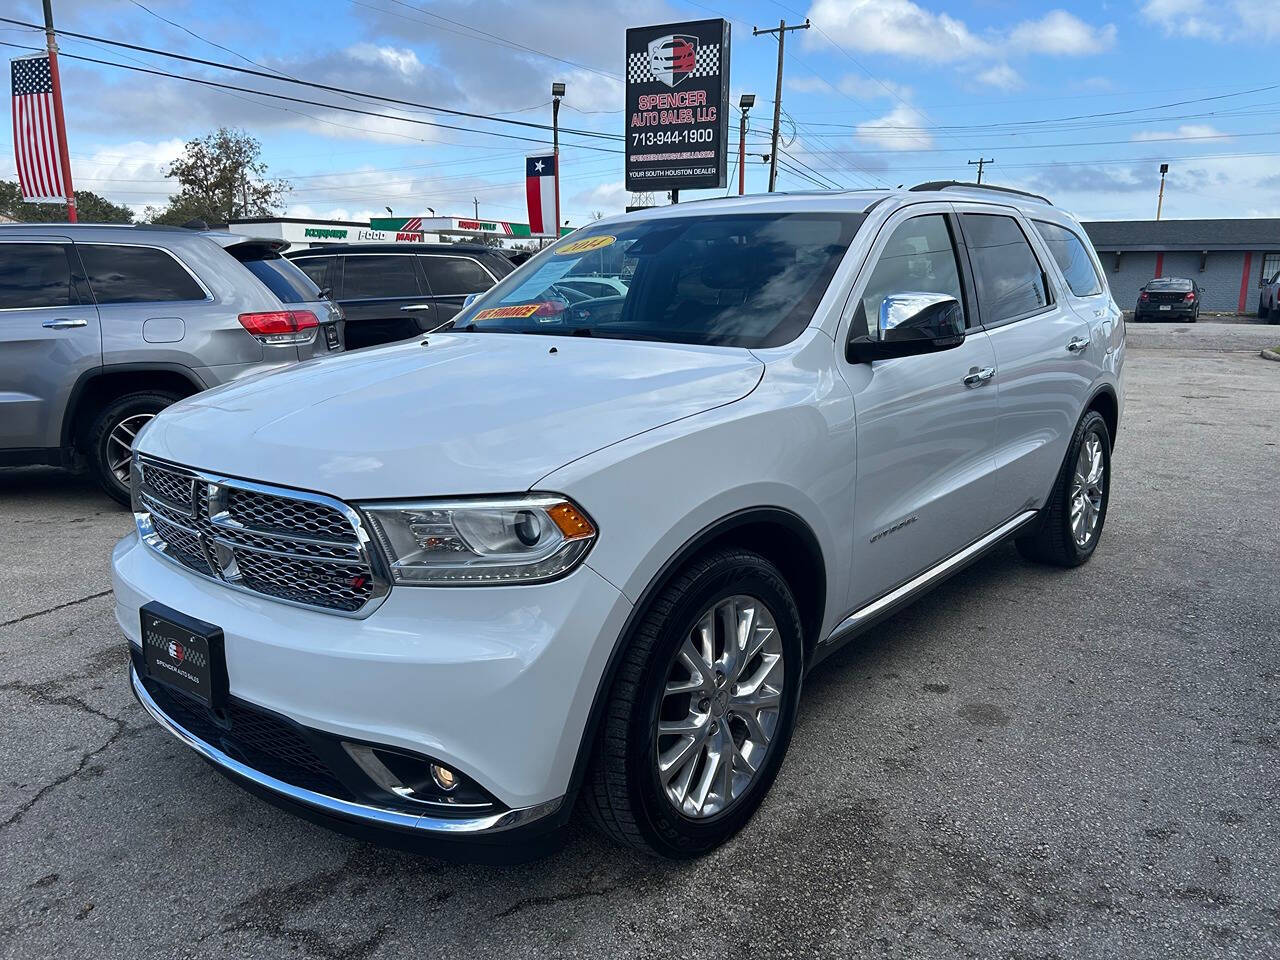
{"x": 59, "y": 118}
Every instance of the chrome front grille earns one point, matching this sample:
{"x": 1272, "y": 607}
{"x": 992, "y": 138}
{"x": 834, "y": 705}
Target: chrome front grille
{"x": 298, "y": 547}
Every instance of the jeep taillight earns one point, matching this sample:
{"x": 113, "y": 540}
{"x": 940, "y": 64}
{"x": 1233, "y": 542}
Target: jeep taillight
{"x": 281, "y": 326}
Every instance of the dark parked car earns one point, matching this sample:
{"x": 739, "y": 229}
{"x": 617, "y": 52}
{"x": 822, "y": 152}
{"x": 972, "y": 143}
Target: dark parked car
{"x": 1169, "y": 298}
{"x": 393, "y": 291}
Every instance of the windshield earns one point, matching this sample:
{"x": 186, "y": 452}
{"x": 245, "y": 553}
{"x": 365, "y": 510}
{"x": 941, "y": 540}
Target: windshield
{"x": 747, "y": 280}
{"x": 1170, "y": 283}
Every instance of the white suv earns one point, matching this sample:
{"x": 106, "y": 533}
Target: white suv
{"x": 588, "y": 549}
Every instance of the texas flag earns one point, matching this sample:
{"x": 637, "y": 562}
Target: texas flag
{"x": 540, "y": 190}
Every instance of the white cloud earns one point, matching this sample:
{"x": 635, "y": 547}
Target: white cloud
{"x": 896, "y": 27}
{"x": 1062, "y": 34}
{"x": 1197, "y": 130}
{"x": 1238, "y": 20}
{"x": 1001, "y": 76}
{"x": 899, "y": 129}
{"x": 403, "y": 61}
{"x": 853, "y": 85}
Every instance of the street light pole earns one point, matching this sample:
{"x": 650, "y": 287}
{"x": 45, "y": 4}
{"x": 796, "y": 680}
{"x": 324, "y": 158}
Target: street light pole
{"x": 745, "y": 104}
{"x": 1164, "y": 168}
{"x": 557, "y": 91}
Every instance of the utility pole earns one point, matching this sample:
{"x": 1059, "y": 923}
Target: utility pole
{"x": 745, "y": 104}
{"x": 781, "y": 30}
{"x": 1164, "y": 168}
{"x": 980, "y": 163}
{"x": 475, "y": 201}
{"x": 557, "y": 91}
{"x": 59, "y": 118}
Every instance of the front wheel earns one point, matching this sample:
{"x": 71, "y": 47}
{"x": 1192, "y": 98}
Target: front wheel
{"x": 701, "y": 712}
{"x": 110, "y": 439}
{"x": 1071, "y": 522}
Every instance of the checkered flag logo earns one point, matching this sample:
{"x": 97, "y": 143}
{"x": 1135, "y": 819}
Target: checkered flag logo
{"x": 706, "y": 63}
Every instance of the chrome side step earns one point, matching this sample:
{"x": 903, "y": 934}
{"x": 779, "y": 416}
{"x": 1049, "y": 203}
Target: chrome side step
{"x": 862, "y": 618}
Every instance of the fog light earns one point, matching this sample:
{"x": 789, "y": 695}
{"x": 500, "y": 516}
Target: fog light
{"x": 445, "y": 778}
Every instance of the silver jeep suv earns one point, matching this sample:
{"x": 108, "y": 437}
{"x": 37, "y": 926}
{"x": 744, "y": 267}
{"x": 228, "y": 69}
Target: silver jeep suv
{"x": 102, "y": 327}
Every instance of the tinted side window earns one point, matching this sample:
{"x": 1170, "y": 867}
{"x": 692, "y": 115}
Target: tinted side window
{"x": 322, "y": 271}
{"x": 1010, "y": 283}
{"x": 35, "y": 275}
{"x": 369, "y": 276}
{"x": 1072, "y": 258}
{"x": 123, "y": 274}
{"x": 919, "y": 258}
{"x": 454, "y": 275}
{"x": 281, "y": 277}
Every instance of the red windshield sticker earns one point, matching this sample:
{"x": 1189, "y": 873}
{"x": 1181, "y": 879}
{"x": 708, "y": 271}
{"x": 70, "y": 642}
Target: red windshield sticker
{"x": 506, "y": 313}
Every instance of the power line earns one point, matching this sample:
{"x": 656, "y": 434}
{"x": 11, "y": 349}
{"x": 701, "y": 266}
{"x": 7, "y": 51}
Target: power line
{"x": 316, "y": 103}
{"x": 312, "y": 84}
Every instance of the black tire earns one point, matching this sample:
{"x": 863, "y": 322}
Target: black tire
{"x": 622, "y": 795}
{"x": 1052, "y": 542}
{"x": 100, "y": 451}
{"x": 1262, "y": 310}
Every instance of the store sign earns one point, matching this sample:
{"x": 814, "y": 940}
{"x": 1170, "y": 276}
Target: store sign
{"x": 324, "y": 233}
{"x": 677, "y": 106}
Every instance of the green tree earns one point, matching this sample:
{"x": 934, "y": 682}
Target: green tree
{"x": 221, "y": 176}
{"x": 90, "y": 208}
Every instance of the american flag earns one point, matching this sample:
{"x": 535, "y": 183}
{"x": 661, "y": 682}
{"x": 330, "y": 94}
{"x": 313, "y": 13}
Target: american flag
{"x": 35, "y": 134}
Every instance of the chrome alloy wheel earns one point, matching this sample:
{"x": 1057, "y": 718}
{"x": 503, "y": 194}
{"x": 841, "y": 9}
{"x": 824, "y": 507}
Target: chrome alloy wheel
{"x": 720, "y": 707}
{"x": 1086, "y": 490}
{"x": 120, "y": 444}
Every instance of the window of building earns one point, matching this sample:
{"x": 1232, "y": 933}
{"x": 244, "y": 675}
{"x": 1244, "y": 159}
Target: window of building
{"x": 1010, "y": 281}
{"x": 1069, "y": 253}
{"x": 35, "y": 275}
{"x": 119, "y": 273}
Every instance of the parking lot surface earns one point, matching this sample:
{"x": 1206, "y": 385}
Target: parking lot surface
{"x": 1026, "y": 763}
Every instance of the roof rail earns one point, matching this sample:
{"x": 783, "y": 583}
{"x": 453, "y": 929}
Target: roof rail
{"x": 950, "y": 184}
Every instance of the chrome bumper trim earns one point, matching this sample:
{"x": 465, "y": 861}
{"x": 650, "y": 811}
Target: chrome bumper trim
{"x": 362, "y": 813}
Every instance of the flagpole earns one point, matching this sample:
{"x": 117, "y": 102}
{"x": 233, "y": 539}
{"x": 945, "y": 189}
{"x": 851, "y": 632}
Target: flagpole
{"x": 58, "y": 116}
{"x": 557, "y": 91}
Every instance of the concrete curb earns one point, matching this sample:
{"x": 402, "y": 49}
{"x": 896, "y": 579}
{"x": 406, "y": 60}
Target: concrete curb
{"x": 1270, "y": 354}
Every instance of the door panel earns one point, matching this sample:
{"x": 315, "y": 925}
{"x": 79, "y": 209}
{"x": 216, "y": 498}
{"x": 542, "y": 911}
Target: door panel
{"x": 1044, "y": 356}
{"x": 925, "y": 469}
{"x": 924, "y": 462}
{"x": 376, "y": 288}
{"x": 48, "y": 338}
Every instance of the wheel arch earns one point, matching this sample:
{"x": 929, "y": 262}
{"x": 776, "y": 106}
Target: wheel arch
{"x": 94, "y": 388}
{"x": 792, "y": 546}
{"x": 1104, "y": 400}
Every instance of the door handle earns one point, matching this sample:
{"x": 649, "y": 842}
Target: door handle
{"x": 976, "y": 377}
{"x": 64, "y": 323}
{"x": 1076, "y": 344}
{"x": 417, "y": 306}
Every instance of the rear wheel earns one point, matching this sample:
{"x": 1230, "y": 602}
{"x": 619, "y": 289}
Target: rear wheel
{"x": 700, "y": 715}
{"x": 1072, "y": 520}
{"x": 110, "y": 438}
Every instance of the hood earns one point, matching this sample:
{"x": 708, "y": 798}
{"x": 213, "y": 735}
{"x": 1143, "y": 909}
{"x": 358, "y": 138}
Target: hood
{"x": 468, "y": 414}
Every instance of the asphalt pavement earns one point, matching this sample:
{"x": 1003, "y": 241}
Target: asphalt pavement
{"x": 1026, "y": 763}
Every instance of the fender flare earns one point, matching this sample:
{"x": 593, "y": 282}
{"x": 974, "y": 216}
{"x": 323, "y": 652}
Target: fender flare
{"x": 83, "y": 381}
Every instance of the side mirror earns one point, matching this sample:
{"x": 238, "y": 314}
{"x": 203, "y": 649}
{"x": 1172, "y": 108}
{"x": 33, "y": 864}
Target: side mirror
{"x": 910, "y": 324}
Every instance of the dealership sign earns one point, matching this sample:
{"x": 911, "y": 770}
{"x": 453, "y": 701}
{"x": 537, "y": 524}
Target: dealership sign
{"x": 456, "y": 225}
{"x": 677, "y": 116}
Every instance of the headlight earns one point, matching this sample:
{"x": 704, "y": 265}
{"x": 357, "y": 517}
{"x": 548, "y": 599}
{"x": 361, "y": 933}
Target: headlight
{"x": 502, "y": 540}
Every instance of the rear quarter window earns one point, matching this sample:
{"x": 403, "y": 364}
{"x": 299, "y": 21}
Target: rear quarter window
{"x": 1073, "y": 259}
{"x": 283, "y": 278}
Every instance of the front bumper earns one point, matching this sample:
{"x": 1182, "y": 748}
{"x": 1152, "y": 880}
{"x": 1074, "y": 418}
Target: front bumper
{"x": 495, "y": 682}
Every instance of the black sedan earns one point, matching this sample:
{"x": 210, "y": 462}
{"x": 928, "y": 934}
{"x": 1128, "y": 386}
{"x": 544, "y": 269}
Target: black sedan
{"x": 1169, "y": 298}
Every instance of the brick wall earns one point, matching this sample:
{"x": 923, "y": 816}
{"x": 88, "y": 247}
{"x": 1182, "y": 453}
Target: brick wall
{"x": 1221, "y": 276}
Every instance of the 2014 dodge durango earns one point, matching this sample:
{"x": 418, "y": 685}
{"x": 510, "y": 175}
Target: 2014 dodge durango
{"x": 582, "y": 553}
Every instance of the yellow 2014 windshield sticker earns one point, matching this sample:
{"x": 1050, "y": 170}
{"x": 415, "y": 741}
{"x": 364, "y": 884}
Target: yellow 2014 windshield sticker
{"x": 506, "y": 313}
{"x": 586, "y": 244}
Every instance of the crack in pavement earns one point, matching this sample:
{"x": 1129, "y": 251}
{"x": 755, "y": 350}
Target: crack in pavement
{"x": 60, "y": 606}
{"x": 40, "y": 692}
{"x": 567, "y": 897}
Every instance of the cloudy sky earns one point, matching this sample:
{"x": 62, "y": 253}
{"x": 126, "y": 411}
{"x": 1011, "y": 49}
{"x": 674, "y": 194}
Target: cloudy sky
{"x": 1081, "y": 103}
